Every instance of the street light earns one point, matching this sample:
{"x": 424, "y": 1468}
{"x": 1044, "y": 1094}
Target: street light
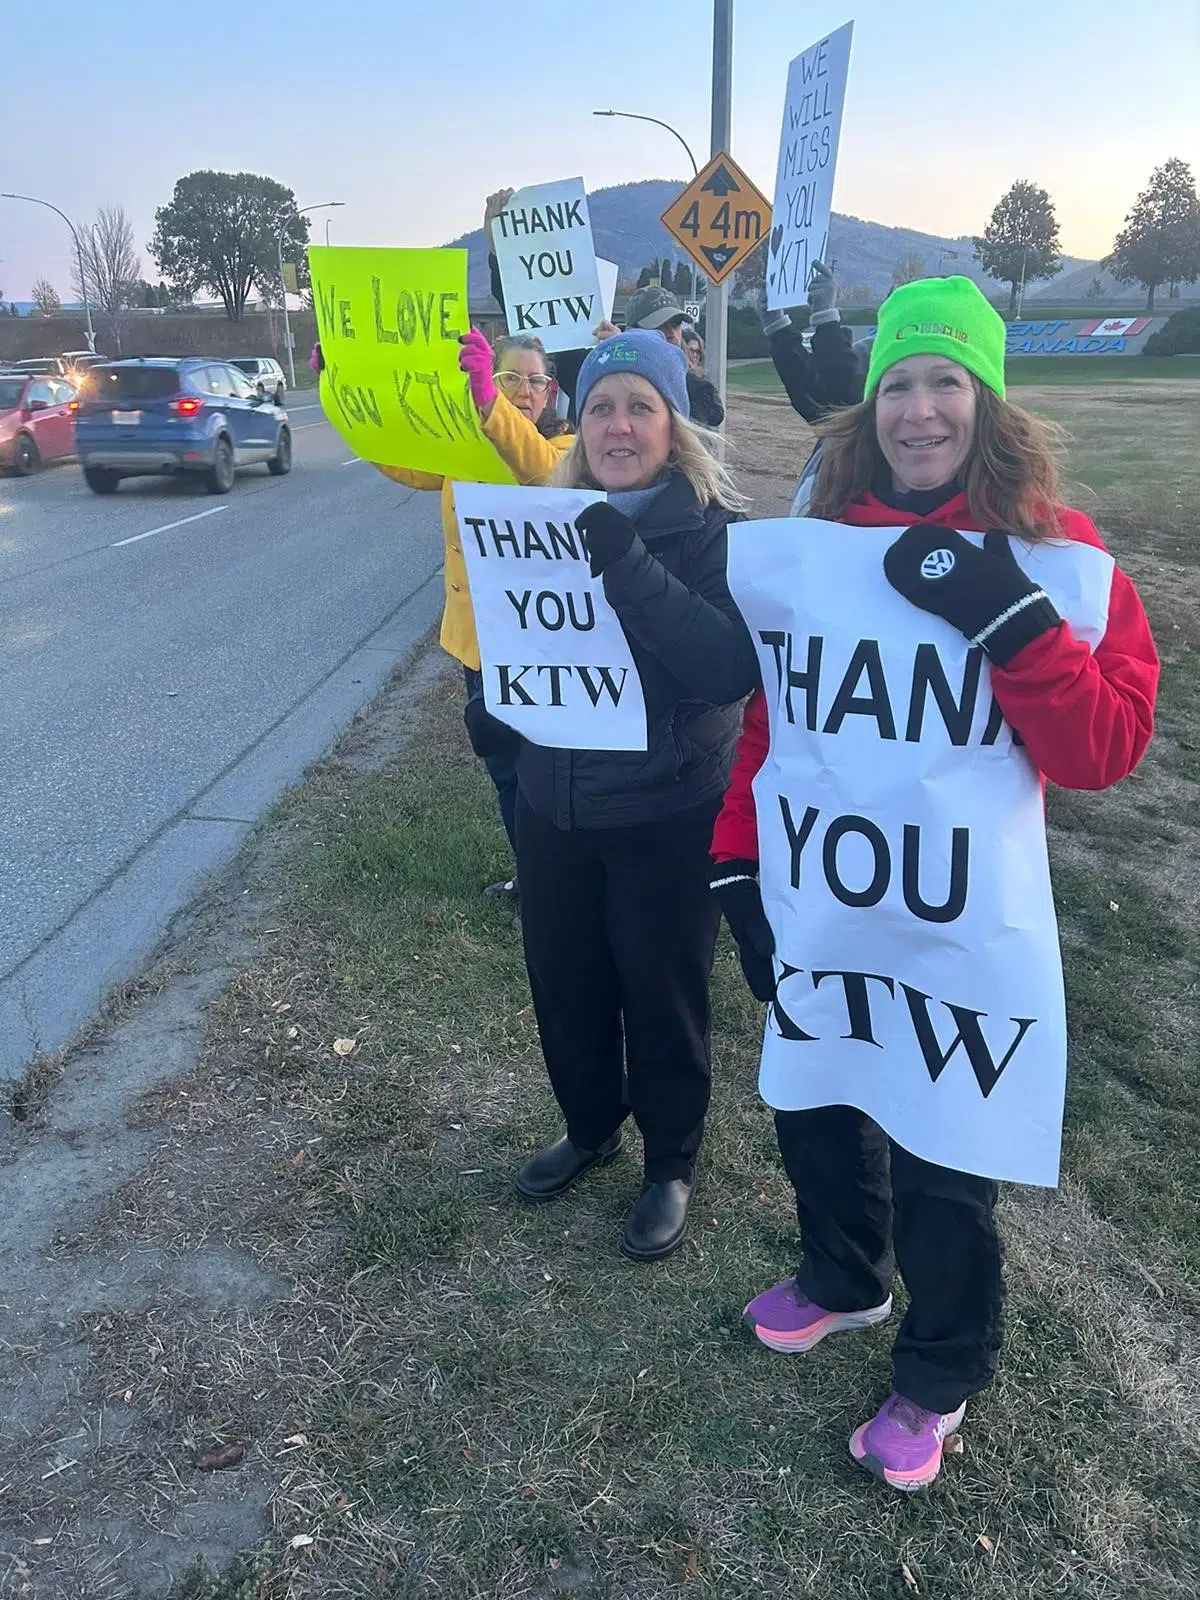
{"x": 636, "y": 116}
{"x": 1029, "y": 252}
{"x": 87, "y": 310}
{"x": 302, "y": 211}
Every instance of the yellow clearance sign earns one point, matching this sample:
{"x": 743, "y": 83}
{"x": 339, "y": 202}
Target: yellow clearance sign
{"x": 719, "y": 218}
{"x": 389, "y": 323}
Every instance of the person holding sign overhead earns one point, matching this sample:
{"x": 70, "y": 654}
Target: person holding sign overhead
{"x": 512, "y": 389}
{"x": 832, "y": 374}
{"x": 934, "y": 454}
{"x": 612, "y": 846}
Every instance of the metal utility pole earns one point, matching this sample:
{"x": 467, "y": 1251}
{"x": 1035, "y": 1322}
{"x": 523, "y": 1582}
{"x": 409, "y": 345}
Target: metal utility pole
{"x": 87, "y": 309}
{"x": 1028, "y": 252}
{"x": 326, "y": 205}
{"x": 715, "y": 328}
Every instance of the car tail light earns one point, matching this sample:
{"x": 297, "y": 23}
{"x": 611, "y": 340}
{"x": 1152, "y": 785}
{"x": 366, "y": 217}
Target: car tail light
{"x": 72, "y": 406}
{"x": 187, "y": 407}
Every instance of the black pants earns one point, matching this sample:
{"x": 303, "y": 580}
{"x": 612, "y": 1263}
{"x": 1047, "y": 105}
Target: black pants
{"x": 620, "y": 928}
{"x": 502, "y": 770}
{"x": 867, "y": 1206}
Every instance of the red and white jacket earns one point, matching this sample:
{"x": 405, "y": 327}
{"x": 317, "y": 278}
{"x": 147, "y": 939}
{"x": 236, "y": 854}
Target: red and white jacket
{"x": 1085, "y": 717}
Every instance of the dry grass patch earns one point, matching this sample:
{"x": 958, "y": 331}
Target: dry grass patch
{"x": 518, "y": 1411}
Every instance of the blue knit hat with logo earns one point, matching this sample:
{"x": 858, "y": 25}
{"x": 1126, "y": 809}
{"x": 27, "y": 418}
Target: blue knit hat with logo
{"x": 644, "y": 353}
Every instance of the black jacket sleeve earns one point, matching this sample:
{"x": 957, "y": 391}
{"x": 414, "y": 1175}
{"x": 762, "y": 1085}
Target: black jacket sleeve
{"x": 840, "y": 365}
{"x": 704, "y": 401}
{"x": 693, "y": 628}
{"x": 832, "y": 374}
{"x": 497, "y": 286}
{"x": 566, "y": 370}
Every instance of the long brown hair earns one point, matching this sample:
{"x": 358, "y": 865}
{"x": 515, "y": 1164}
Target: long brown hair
{"x": 550, "y": 425}
{"x": 1011, "y": 473}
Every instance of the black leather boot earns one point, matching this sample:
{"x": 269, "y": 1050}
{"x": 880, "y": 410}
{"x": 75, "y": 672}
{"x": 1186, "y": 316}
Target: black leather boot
{"x": 657, "y": 1222}
{"x": 551, "y": 1172}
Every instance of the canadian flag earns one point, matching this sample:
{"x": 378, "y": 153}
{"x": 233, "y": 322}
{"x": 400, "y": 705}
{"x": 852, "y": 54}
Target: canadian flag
{"x": 1114, "y": 327}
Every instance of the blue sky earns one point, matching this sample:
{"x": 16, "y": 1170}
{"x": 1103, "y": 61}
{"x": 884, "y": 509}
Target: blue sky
{"x": 411, "y": 113}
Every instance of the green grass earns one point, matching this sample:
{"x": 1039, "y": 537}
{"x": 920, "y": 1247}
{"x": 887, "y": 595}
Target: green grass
{"x": 520, "y": 1412}
{"x": 1022, "y": 370}
{"x": 516, "y": 1412}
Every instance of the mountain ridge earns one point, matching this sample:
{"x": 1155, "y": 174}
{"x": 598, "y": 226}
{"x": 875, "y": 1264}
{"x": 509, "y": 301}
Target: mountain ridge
{"x": 627, "y": 230}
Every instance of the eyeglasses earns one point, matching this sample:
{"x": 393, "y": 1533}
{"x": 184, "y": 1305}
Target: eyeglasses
{"x": 510, "y": 382}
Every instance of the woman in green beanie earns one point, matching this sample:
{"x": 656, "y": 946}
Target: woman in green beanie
{"x": 936, "y": 449}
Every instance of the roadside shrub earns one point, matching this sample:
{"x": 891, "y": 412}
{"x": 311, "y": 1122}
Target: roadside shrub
{"x": 1180, "y": 336}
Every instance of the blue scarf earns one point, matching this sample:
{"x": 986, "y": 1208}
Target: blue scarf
{"x": 632, "y": 502}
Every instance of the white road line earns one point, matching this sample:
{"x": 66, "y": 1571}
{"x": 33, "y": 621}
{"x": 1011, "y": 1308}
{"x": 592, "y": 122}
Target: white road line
{"x": 167, "y": 526}
{"x": 353, "y": 461}
{"x": 300, "y": 426}
{"x": 303, "y": 408}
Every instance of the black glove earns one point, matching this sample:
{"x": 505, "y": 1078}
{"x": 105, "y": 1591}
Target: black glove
{"x": 735, "y": 884}
{"x": 982, "y": 593}
{"x": 488, "y": 735}
{"x": 608, "y": 532}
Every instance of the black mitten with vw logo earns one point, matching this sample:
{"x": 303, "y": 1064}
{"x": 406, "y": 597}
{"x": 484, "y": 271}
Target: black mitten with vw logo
{"x": 982, "y": 593}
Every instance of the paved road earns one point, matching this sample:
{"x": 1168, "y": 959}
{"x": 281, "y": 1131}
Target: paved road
{"x": 169, "y": 662}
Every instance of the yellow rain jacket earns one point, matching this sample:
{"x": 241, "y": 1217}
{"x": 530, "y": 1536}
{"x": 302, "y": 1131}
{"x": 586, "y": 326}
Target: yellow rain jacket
{"x": 531, "y": 459}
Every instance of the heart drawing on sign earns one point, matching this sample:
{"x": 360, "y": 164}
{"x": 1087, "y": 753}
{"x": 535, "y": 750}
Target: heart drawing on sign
{"x": 771, "y": 280}
{"x": 776, "y": 239}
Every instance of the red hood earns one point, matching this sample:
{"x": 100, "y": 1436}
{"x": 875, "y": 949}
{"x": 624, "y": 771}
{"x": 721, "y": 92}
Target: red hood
{"x": 869, "y": 511}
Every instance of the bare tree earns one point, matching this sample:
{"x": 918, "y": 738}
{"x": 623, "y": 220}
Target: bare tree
{"x": 111, "y": 268}
{"x": 45, "y": 297}
{"x": 907, "y": 268}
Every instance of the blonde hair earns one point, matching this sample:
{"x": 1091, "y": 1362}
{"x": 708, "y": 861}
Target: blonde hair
{"x": 549, "y": 424}
{"x": 693, "y": 453}
{"x": 1010, "y": 476}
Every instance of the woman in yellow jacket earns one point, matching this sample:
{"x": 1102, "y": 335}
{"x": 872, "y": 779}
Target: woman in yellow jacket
{"x": 512, "y": 390}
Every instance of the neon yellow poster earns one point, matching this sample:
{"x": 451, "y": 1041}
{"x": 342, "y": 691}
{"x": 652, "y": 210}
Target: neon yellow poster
{"x": 389, "y": 323}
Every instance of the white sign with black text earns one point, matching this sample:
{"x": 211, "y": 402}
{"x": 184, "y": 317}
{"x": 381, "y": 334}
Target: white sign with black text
{"x": 903, "y": 855}
{"x": 547, "y": 261}
{"x": 808, "y": 147}
{"x": 556, "y": 664}
{"x": 607, "y": 272}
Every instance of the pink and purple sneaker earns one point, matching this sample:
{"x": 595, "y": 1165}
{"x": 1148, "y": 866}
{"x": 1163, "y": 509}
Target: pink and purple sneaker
{"x": 902, "y": 1443}
{"x": 784, "y": 1318}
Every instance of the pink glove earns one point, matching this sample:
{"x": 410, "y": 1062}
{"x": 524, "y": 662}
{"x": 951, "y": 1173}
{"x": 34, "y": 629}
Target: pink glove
{"x": 476, "y": 360}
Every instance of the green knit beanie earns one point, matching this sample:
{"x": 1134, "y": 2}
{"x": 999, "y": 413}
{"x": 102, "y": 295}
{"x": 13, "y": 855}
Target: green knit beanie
{"x": 939, "y": 317}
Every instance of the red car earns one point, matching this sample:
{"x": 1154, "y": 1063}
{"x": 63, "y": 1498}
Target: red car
{"x": 37, "y": 420}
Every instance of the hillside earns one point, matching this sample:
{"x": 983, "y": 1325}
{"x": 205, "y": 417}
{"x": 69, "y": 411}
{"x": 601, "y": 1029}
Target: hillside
{"x": 627, "y": 230}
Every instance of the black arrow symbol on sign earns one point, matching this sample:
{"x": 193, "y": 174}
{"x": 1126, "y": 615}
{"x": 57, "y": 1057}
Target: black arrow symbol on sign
{"x": 718, "y": 256}
{"x": 722, "y": 182}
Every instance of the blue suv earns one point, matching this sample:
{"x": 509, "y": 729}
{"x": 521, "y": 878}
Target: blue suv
{"x": 194, "y": 414}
